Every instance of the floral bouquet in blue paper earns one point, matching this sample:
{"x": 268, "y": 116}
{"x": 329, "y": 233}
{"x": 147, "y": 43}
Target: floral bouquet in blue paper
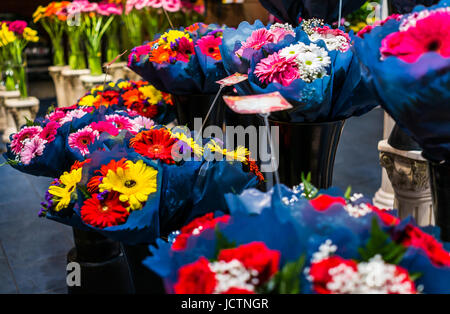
{"x": 286, "y": 243}
{"x": 312, "y": 66}
{"x": 406, "y": 62}
{"x": 135, "y": 188}
{"x": 182, "y": 62}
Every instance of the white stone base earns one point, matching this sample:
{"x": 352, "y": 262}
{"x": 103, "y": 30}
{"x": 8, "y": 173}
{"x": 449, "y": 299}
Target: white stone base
{"x": 58, "y": 80}
{"x": 18, "y": 111}
{"x": 90, "y": 81}
{"x": 7, "y": 121}
{"x": 72, "y": 84}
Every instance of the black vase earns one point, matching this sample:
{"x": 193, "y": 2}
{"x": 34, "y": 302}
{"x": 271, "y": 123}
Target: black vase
{"x": 307, "y": 147}
{"x": 145, "y": 281}
{"x": 440, "y": 190}
{"x": 402, "y": 141}
{"x": 189, "y": 107}
{"x": 103, "y": 266}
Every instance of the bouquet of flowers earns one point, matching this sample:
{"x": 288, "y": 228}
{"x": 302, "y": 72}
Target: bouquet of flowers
{"x": 138, "y": 96}
{"x": 182, "y": 62}
{"x": 14, "y": 36}
{"x": 53, "y": 18}
{"x": 406, "y": 63}
{"x": 133, "y": 188}
{"x": 94, "y": 21}
{"x": 312, "y": 66}
{"x": 301, "y": 241}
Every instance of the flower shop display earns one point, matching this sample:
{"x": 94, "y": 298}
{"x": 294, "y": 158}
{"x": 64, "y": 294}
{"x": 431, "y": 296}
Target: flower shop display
{"x": 301, "y": 241}
{"x": 14, "y": 37}
{"x": 186, "y": 63}
{"x": 313, "y": 67}
{"x": 415, "y": 94}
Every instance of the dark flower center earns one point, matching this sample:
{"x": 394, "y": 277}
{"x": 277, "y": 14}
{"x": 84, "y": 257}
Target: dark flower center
{"x": 130, "y": 183}
{"x": 211, "y": 49}
{"x": 434, "y": 45}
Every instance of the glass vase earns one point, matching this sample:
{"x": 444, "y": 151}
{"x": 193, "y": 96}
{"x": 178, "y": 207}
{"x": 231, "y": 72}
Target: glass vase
{"x": 95, "y": 63}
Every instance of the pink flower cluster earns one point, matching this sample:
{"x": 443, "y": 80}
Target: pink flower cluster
{"x": 431, "y": 33}
{"x": 263, "y": 36}
{"x": 168, "y": 5}
{"x": 102, "y": 8}
{"x": 31, "y": 140}
{"x": 369, "y": 28}
{"x": 17, "y": 26}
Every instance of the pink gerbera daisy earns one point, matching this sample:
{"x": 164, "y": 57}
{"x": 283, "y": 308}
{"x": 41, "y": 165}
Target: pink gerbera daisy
{"x": 103, "y": 126}
{"x": 256, "y": 40}
{"x": 82, "y": 139}
{"x": 49, "y": 131}
{"x": 74, "y": 114}
{"x": 209, "y": 45}
{"x": 276, "y": 68}
{"x": 32, "y": 148}
{"x": 19, "y": 139}
{"x": 142, "y": 123}
{"x": 56, "y": 115}
{"x": 430, "y": 34}
{"x": 121, "y": 122}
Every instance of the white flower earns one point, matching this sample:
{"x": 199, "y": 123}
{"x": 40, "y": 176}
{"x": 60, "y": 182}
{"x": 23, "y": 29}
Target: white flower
{"x": 233, "y": 274}
{"x": 285, "y": 26}
{"x": 411, "y": 20}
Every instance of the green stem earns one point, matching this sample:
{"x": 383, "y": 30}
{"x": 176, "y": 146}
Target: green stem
{"x": 113, "y": 49}
{"x": 95, "y": 63}
{"x": 76, "y": 55}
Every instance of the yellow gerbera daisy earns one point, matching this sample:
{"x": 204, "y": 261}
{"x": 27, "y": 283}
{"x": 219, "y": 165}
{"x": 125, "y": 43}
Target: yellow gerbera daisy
{"x": 153, "y": 95}
{"x": 196, "y": 148}
{"x": 171, "y": 37}
{"x": 30, "y": 34}
{"x": 6, "y": 36}
{"x": 96, "y": 88}
{"x": 241, "y": 153}
{"x": 135, "y": 183}
{"x": 124, "y": 84}
{"x": 87, "y": 101}
{"x": 63, "y": 192}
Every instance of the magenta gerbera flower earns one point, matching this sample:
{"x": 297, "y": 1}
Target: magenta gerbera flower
{"x": 32, "y": 148}
{"x": 276, "y": 68}
{"x": 209, "y": 45}
{"x": 74, "y": 114}
{"x": 429, "y": 34}
{"x": 19, "y": 139}
{"x": 121, "y": 122}
{"x": 185, "y": 49}
{"x": 257, "y": 39}
{"x": 82, "y": 139}
{"x": 103, "y": 126}
{"x": 49, "y": 131}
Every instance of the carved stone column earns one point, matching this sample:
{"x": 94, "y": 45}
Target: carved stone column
{"x": 90, "y": 81}
{"x": 117, "y": 71}
{"x": 58, "y": 80}
{"x": 408, "y": 173}
{"x": 72, "y": 84}
{"x": 7, "y": 123}
{"x": 384, "y": 197}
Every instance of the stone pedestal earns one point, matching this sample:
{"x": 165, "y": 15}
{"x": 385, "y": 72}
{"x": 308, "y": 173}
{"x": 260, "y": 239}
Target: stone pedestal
{"x": 384, "y": 197}
{"x": 131, "y": 75}
{"x": 117, "y": 71}
{"x": 90, "y": 81}
{"x": 19, "y": 110}
{"x": 408, "y": 173}
{"x": 72, "y": 84}
{"x": 7, "y": 123}
{"x": 58, "y": 80}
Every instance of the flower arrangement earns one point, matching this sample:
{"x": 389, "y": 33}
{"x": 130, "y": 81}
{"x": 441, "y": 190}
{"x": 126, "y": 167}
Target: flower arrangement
{"x": 416, "y": 93}
{"x": 14, "y": 37}
{"x": 95, "y": 20}
{"x": 301, "y": 240}
{"x": 181, "y": 62}
{"x": 53, "y": 18}
{"x": 138, "y": 96}
{"x": 132, "y": 189}
{"x": 312, "y": 66}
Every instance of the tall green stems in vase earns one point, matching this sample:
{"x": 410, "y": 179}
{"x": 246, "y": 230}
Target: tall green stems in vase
{"x": 76, "y": 53}
{"x": 112, "y": 43}
{"x": 133, "y": 25}
{"x": 94, "y": 27}
{"x": 55, "y": 30}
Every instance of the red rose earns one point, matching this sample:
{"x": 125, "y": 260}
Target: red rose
{"x": 201, "y": 224}
{"x": 385, "y": 217}
{"x": 324, "y": 201}
{"x": 320, "y": 272}
{"x": 234, "y": 290}
{"x": 255, "y": 256}
{"x": 196, "y": 278}
{"x": 413, "y": 236}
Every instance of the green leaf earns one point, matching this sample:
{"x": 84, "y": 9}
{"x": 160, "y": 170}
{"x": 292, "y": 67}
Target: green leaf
{"x": 380, "y": 243}
{"x": 222, "y": 243}
{"x": 348, "y": 192}
{"x": 287, "y": 280}
{"x": 30, "y": 122}
{"x": 309, "y": 189}
{"x": 414, "y": 276}
{"x": 10, "y": 162}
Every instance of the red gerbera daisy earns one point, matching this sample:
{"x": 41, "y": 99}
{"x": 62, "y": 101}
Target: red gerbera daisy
{"x": 154, "y": 144}
{"x": 95, "y": 181}
{"x": 209, "y": 45}
{"x": 104, "y": 212}
{"x": 145, "y": 110}
{"x": 131, "y": 97}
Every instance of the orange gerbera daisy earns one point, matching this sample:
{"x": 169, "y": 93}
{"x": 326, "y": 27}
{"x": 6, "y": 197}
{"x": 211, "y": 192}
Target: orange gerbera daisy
{"x": 95, "y": 181}
{"x": 160, "y": 55}
{"x": 131, "y": 97}
{"x": 78, "y": 164}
